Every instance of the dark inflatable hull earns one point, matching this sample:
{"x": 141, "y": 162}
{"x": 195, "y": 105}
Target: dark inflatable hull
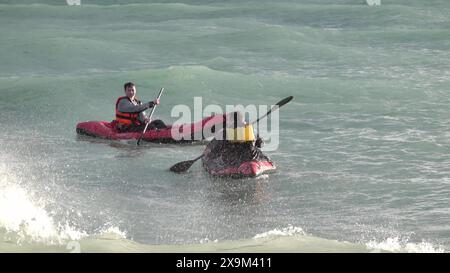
{"x": 172, "y": 134}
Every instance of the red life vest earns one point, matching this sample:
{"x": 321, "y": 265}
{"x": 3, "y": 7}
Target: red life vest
{"x": 126, "y": 118}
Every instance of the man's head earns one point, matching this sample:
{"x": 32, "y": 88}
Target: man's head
{"x": 130, "y": 90}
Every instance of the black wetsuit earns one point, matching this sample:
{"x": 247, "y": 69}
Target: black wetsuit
{"x": 233, "y": 154}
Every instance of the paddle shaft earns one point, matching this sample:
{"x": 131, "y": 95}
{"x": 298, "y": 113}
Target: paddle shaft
{"x": 150, "y": 117}
{"x": 153, "y": 109}
{"x": 268, "y": 113}
{"x": 277, "y": 105}
{"x": 197, "y": 158}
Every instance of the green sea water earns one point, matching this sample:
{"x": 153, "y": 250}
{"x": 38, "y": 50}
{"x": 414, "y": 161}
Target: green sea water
{"x": 363, "y": 160}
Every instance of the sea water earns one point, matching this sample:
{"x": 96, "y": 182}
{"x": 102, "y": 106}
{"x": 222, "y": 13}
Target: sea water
{"x": 363, "y": 159}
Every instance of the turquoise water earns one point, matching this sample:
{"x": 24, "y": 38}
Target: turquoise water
{"x": 363, "y": 160}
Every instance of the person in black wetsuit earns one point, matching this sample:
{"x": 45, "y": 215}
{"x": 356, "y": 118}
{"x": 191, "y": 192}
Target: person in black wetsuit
{"x": 236, "y": 144}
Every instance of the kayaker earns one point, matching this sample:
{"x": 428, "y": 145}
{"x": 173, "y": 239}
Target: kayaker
{"x": 130, "y": 115}
{"x": 236, "y": 144}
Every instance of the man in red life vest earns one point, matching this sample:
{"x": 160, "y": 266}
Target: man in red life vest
{"x": 130, "y": 115}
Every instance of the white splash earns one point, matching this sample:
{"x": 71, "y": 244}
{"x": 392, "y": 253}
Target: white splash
{"x": 207, "y": 240}
{"x": 288, "y": 231}
{"x": 73, "y": 2}
{"x": 395, "y": 244}
{"x": 373, "y": 2}
{"x": 115, "y": 232}
{"x": 24, "y": 220}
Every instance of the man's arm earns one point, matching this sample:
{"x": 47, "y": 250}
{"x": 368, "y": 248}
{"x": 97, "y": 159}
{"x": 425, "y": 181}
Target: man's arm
{"x": 142, "y": 117}
{"x": 127, "y": 106}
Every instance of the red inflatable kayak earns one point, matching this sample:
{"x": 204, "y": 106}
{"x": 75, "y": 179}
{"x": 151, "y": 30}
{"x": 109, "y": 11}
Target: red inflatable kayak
{"x": 172, "y": 134}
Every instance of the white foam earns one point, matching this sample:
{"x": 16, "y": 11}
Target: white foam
{"x": 288, "y": 231}
{"x": 395, "y": 244}
{"x": 25, "y": 220}
{"x": 207, "y": 240}
{"x": 373, "y": 2}
{"x": 113, "y": 231}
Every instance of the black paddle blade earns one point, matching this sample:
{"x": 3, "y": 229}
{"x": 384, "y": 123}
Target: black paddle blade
{"x": 284, "y": 101}
{"x": 139, "y": 141}
{"x": 182, "y": 167}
